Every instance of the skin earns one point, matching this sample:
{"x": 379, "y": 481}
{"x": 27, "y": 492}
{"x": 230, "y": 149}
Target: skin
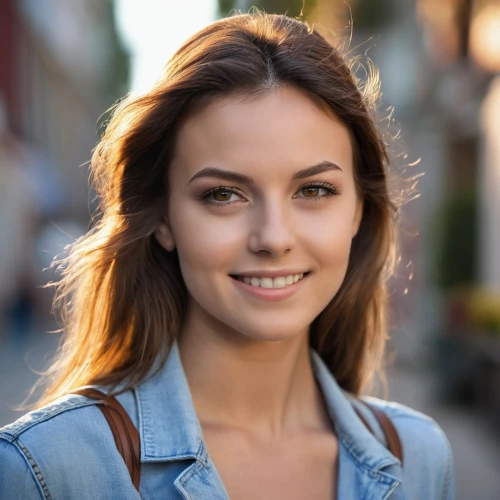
{"x": 247, "y": 359}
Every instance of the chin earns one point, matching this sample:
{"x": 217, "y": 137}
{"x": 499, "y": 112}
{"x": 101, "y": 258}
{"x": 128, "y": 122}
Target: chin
{"x": 284, "y": 332}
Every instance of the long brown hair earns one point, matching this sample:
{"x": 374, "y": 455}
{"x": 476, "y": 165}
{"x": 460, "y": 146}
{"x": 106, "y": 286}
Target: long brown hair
{"x": 121, "y": 296}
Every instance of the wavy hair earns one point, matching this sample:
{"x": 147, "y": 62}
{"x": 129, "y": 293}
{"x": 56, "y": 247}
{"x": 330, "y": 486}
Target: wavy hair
{"x": 121, "y": 296}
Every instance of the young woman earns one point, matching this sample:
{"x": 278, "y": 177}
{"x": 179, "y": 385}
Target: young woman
{"x": 233, "y": 294}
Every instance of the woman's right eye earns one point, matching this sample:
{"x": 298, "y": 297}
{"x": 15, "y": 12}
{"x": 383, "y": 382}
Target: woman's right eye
{"x": 221, "y": 196}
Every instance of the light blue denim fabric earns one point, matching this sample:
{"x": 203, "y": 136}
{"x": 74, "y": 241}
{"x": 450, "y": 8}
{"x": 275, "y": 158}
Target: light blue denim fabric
{"x": 66, "y": 451}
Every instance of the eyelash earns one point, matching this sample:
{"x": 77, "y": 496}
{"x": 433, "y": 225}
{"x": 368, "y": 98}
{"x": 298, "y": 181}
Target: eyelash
{"x": 331, "y": 191}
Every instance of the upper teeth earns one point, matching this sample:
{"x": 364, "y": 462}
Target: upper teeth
{"x": 273, "y": 283}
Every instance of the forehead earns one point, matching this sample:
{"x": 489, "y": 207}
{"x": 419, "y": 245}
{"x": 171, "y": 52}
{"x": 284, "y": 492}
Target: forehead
{"x": 283, "y": 129}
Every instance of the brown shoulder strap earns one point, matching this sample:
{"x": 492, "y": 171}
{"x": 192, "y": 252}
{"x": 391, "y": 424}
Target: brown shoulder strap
{"x": 126, "y": 436}
{"x": 391, "y": 434}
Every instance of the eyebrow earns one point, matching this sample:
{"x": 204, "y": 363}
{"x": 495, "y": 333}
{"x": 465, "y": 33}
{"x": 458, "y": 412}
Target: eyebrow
{"x": 218, "y": 173}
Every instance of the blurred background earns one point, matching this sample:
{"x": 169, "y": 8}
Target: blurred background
{"x": 64, "y": 63}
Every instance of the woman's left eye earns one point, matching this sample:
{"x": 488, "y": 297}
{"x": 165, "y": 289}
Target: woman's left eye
{"x": 316, "y": 191}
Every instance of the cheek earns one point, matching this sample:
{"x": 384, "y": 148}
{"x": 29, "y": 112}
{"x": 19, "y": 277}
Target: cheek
{"x": 328, "y": 241}
{"x": 328, "y": 234}
{"x": 205, "y": 243}
{"x": 331, "y": 255}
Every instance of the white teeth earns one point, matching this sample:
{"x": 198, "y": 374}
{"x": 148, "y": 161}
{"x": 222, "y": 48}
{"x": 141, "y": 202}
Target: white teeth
{"x": 280, "y": 282}
{"x": 266, "y": 282}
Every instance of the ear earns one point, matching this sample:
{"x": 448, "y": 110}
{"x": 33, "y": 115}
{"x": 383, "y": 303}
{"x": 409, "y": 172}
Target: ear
{"x": 164, "y": 235}
{"x": 358, "y": 216}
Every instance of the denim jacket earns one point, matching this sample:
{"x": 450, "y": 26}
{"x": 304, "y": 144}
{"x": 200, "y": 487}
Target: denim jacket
{"x": 66, "y": 451}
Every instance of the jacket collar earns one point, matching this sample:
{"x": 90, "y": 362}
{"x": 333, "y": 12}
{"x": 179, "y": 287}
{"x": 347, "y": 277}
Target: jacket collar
{"x": 357, "y": 439}
{"x": 170, "y": 430}
{"x": 366, "y": 467}
{"x": 168, "y": 425}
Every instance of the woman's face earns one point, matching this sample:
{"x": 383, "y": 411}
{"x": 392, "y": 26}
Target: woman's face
{"x": 261, "y": 190}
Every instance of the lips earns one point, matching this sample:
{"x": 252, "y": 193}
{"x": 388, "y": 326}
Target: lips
{"x": 271, "y": 289}
{"x": 270, "y": 282}
{"x": 267, "y": 282}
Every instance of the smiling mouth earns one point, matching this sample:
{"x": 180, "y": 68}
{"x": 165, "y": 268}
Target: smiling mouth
{"x": 279, "y": 282}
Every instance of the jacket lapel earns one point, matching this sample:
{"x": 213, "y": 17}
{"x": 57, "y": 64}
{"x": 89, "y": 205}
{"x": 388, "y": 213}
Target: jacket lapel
{"x": 366, "y": 467}
{"x": 171, "y": 432}
{"x": 201, "y": 481}
{"x": 357, "y": 481}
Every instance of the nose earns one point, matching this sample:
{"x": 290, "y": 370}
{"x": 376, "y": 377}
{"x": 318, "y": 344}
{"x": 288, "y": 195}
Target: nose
{"x": 272, "y": 230}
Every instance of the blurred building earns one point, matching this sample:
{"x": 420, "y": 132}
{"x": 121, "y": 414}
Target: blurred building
{"x": 63, "y": 66}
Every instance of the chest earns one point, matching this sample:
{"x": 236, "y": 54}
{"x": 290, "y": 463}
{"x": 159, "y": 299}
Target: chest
{"x": 298, "y": 468}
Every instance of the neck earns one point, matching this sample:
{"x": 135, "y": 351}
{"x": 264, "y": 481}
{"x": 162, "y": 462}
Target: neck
{"x": 265, "y": 388}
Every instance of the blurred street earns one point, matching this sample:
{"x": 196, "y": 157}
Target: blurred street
{"x": 476, "y": 449}
{"x": 439, "y": 68}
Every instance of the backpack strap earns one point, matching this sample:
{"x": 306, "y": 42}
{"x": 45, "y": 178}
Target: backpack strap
{"x": 390, "y": 432}
{"x": 124, "y": 431}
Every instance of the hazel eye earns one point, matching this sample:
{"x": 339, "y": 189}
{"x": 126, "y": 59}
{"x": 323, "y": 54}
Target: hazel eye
{"x": 222, "y": 195}
{"x": 317, "y": 191}
{"x": 311, "y": 192}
